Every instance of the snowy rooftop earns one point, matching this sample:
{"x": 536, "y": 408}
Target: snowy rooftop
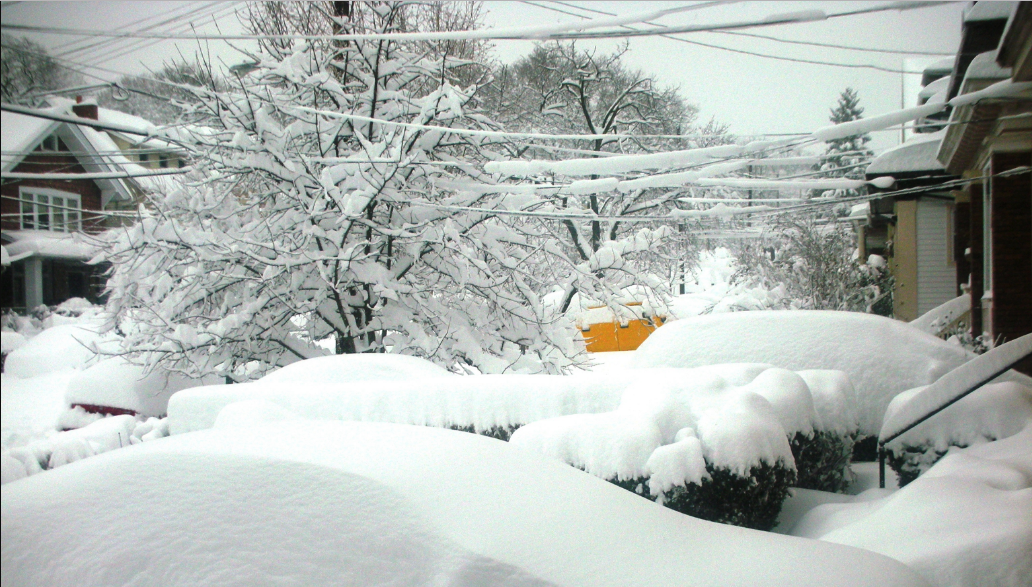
{"x": 940, "y": 66}
{"x": 940, "y": 85}
{"x": 42, "y": 243}
{"x": 984, "y": 66}
{"x": 982, "y": 11}
{"x": 917, "y": 154}
{"x": 21, "y": 133}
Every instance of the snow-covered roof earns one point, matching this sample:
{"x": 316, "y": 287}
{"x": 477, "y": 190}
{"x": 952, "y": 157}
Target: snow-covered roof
{"x": 941, "y": 66}
{"x": 20, "y": 133}
{"x": 982, "y": 11}
{"x": 43, "y": 243}
{"x": 940, "y": 85}
{"x": 984, "y": 66}
{"x": 859, "y": 211}
{"x": 917, "y": 154}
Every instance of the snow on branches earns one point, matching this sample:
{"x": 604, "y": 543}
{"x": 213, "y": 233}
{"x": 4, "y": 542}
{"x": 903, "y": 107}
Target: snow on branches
{"x": 303, "y": 230}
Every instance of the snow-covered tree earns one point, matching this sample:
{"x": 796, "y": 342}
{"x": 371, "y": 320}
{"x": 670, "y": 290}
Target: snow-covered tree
{"x": 158, "y": 97}
{"x": 321, "y": 211}
{"x": 561, "y": 89}
{"x": 27, "y": 68}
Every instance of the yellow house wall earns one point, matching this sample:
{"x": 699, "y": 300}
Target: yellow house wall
{"x": 904, "y": 261}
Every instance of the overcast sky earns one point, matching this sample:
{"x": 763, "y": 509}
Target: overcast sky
{"x": 750, "y": 93}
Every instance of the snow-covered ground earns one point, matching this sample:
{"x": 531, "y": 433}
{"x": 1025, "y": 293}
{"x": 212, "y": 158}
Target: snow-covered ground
{"x": 385, "y": 501}
{"x": 319, "y": 503}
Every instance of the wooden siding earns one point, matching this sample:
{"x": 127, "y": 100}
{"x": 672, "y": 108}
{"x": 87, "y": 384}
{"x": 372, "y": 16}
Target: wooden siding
{"x": 904, "y": 261}
{"x": 1011, "y": 225}
{"x": 936, "y": 273}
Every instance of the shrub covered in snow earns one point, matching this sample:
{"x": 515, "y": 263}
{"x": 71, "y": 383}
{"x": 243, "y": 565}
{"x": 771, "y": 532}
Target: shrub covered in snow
{"x": 711, "y": 442}
{"x": 996, "y": 411}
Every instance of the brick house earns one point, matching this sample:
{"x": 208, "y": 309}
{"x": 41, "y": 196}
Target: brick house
{"x": 46, "y": 223}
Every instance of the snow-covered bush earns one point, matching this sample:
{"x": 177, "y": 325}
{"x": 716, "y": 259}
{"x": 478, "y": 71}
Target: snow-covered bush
{"x": 815, "y": 265}
{"x": 993, "y": 412}
{"x": 712, "y": 442}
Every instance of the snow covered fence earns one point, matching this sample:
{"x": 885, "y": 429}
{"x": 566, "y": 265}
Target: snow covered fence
{"x": 100, "y": 436}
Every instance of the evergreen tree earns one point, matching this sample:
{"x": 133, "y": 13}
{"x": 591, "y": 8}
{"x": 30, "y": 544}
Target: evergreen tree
{"x": 844, "y": 155}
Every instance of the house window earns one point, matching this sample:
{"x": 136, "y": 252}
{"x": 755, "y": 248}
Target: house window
{"x": 163, "y": 161}
{"x": 50, "y": 144}
{"x": 47, "y": 209}
{"x": 144, "y": 157}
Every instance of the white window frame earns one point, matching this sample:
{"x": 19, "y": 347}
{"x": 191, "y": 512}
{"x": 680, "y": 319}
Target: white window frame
{"x": 60, "y": 210}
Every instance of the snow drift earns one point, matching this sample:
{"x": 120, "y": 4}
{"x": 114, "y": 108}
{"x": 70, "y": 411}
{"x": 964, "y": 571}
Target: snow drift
{"x": 333, "y": 503}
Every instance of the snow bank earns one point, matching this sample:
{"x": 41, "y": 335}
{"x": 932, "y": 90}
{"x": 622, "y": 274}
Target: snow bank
{"x": 958, "y": 381}
{"x": 55, "y": 349}
{"x": 31, "y": 407}
{"x": 11, "y": 341}
{"x": 881, "y": 356}
{"x": 964, "y": 522}
{"x": 116, "y": 383}
{"x": 325, "y": 503}
{"x": 938, "y": 318}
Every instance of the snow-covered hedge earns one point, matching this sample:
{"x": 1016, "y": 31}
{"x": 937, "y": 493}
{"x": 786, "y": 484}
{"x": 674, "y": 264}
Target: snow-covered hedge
{"x": 745, "y": 424}
{"x": 996, "y": 411}
{"x": 712, "y": 442}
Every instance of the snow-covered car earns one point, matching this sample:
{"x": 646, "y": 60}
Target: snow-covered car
{"x": 331, "y": 503}
{"x": 883, "y": 357}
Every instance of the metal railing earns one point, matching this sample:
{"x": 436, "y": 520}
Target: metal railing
{"x": 967, "y": 391}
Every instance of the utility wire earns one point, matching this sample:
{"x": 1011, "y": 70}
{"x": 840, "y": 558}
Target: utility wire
{"x": 499, "y": 34}
{"x": 730, "y": 49}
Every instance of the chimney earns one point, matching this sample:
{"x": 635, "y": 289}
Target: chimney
{"x": 86, "y": 108}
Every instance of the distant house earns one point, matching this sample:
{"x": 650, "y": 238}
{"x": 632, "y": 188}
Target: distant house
{"x": 975, "y": 237}
{"x": 46, "y": 223}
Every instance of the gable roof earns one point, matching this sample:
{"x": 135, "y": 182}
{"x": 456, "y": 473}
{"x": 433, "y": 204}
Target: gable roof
{"x": 94, "y": 149}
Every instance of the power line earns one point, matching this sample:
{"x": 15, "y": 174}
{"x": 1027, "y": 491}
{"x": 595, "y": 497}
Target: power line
{"x": 810, "y": 43}
{"x": 730, "y": 49}
{"x": 497, "y": 34}
{"x": 833, "y": 46}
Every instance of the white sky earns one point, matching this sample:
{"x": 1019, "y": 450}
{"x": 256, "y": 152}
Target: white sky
{"x": 751, "y": 94}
